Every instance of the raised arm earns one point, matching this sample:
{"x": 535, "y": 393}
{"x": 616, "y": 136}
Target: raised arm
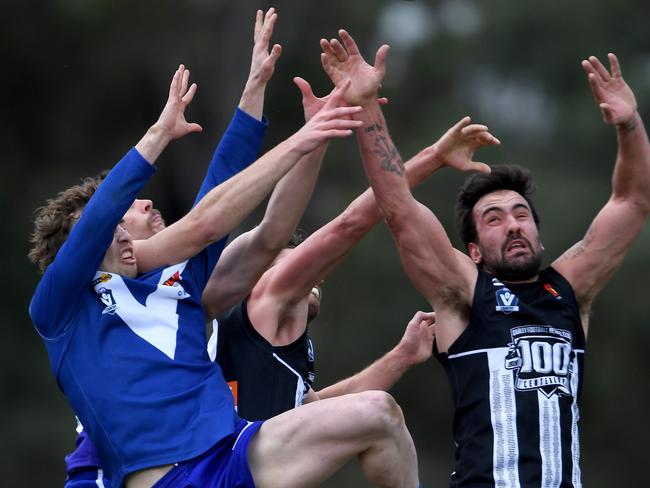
{"x": 83, "y": 250}
{"x": 590, "y": 263}
{"x": 250, "y": 254}
{"x": 415, "y": 348}
{"x": 240, "y": 144}
{"x": 262, "y": 64}
{"x": 309, "y": 263}
{"x": 442, "y": 274}
{"x": 228, "y": 204}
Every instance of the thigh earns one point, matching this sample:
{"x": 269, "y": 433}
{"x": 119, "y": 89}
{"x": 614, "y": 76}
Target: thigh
{"x": 306, "y": 445}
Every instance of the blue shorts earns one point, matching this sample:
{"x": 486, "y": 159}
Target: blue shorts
{"x": 87, "y": 478}
{"x": 225, "y": 465}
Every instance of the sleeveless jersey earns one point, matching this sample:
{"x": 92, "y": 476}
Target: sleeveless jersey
{"x": 515, "y": 376}
{"x": 265, "y": 380}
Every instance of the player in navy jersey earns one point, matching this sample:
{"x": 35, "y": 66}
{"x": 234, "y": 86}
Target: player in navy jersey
{"x": 511, "y": 336}
{"x": 273, "y": 318}
{"x": 140, "y": 379}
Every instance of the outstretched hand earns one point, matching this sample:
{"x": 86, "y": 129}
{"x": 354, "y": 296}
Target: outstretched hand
{"x": 457, "y": 146}
{"x": 613, "y": 95}
{"x": 311, "y": 104}
{"x": 344, "y": 62}
{"x": 417, "y": 342}
{"x": 172, "y": 120}
{"x": 331, "y": 120}
{"x": 263, "y": 61}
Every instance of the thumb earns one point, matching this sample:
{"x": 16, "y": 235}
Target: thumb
{"x": 380, "y": 58}
{"x": 194, "y": 128}
{"x": 480, "y": 167}
{"x": 304, "y": 87}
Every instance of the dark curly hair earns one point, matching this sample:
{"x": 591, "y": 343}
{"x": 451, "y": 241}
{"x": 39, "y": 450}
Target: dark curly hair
{"x": 502, "y": 177}
{"x": 54, "y": 221}
{"x": 298, "y": 236}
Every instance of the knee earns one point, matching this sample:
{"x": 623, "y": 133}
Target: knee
{"x": 380, "y": 410}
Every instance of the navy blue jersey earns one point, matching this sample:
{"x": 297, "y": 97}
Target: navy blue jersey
{"x": 515, "y": 376}
{"x": 266, "y": 380}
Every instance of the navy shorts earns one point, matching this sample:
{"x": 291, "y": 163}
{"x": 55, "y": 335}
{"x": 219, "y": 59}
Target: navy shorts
{"x": 225, "y": 465}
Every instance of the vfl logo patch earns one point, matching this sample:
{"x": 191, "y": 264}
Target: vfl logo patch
{"x": 106, "y": 296}
{"x": 506, "y": 301}
{"x": 542, "y": 358}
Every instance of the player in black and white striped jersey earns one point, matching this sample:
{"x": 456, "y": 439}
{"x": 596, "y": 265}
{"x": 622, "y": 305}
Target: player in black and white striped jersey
{"x": 511, "y": 336}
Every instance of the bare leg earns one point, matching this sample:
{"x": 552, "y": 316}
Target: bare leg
{"x": 305, "y": 446}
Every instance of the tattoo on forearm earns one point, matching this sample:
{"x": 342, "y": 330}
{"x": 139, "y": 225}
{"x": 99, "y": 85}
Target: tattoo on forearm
{"x": 389, "y": 158}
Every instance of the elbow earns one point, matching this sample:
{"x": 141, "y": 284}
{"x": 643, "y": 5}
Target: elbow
{"x": 271, "y": 239}
{"x": 396, "y": 219}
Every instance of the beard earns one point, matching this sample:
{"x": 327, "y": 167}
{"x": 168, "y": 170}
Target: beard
{"x": 514, "y": 268}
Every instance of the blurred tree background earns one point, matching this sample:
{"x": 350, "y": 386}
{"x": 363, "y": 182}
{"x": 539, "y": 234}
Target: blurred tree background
{"x": 85, "y": 78}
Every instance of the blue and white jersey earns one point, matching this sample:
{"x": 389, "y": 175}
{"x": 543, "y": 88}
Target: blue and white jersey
{"x": 130, "y": 354}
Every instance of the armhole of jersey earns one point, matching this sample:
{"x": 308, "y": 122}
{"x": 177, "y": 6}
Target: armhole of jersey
{"x": 567, "y": 290}
{"x": 475, "y": 311}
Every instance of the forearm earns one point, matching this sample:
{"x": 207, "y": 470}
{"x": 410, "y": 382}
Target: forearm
{"x": 252, "y": 99}
{"x": 227, "y": 205}
{"x": 153, "y": 143}
{"x": 289, "y": 200}
{"x": 381, "y": 160}
{"x": 631, "y": 179}
{"x": 363, "y": 213}
{"x": 380, "y": 375}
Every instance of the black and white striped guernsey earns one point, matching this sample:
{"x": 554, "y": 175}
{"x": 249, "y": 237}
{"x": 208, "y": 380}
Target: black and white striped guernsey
{"x": 515, "y": 376}
{"x": 265, "y": 380}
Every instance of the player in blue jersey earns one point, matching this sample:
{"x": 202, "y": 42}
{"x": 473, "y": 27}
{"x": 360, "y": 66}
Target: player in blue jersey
{"x": 139, "y": 377}
{"x": 238, "y": 148}
{"x": 510, "y": 335}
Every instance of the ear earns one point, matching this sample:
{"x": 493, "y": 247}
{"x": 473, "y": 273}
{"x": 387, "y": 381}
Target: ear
{"x": 541, "y": 245}
{"x": 474, "y": 252}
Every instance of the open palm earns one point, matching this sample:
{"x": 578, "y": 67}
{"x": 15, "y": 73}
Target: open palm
{"x": 613, "y": 95}
{"x": 344, "y": 61}
{"x": 457, "y": 146}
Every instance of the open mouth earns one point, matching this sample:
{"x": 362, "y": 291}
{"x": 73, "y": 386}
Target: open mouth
{"x": 127, "y": 256}
{"x": 517, "y": 244}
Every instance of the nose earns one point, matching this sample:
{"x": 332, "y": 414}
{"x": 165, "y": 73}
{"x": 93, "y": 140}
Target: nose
{"x": 122, "y": 234}
{"x": 144, "y": 205}
{"x": 514, "y": 226}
